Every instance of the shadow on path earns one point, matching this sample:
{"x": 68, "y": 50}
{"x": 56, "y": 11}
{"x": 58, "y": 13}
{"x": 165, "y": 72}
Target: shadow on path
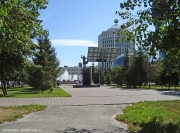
{"x": 155, "y": 126}
{"x": 171, "y": 93}
{"x": 74, "y": 130}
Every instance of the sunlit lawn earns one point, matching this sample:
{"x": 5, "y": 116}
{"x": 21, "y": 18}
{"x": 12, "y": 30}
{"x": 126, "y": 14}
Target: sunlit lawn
{"x": 152, "y": 117}
{"x": 29, "y": 92}
{"x": 160, "y": 87}
{"x": 153, "y": 87}
{"x": 15, "y": 112}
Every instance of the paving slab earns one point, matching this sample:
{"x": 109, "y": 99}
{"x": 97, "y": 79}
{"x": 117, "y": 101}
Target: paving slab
{"x": 89, "y": 110}
{"x": 70, "y": 119}
{"x": 95, "y": 96}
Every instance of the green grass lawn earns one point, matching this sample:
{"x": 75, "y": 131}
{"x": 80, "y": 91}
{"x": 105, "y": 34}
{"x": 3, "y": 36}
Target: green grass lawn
{"x": 152, "y": 117}
{"x": 153, "y": 87}
{"x": 29, "y": 92}
{"x": 160, "y": 87}
{"x": 15, "y": 112}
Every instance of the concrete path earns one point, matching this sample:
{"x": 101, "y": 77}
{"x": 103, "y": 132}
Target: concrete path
{"x": 89, "y": 110}
{"x": 95, "y": 96}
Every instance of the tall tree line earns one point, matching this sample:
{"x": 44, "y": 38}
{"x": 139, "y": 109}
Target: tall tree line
{"x": 138, "y": 70}
{"x": 163, "y": 16}
{"x": 19, "y": 26}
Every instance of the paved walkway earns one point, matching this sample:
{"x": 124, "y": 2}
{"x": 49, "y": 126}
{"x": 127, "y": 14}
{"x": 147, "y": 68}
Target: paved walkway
{"x": 95, "y": 96}
{"x": 89, "y": 110}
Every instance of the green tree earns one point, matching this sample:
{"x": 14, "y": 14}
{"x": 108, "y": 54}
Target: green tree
{"x": 126, "y": 62}
{"x": 117, "y": 75}
{"x": 96, "y": 76}
{"x": 163, "y": 16}
{"x": 102, "y": 76}
{"x": 19, "y": 24}
{"x": 8, "y": 64}
{"x": 108, "y": 78}
{"x": 169, "y": 79}
{"x": 136, "y": 74}
{"x": 20, "y": 75}
{"x": 152, "y": 69}
{"x": 45, "y": 76}
{"x": 99, "y": 76}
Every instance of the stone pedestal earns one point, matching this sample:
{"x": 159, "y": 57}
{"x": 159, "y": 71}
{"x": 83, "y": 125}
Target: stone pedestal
{"x": 85, "y": 86}
{"x": 87, "y": 79}
{"x": 87, "y": 76}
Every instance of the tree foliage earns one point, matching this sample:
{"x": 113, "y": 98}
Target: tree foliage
{"x": 117, "y": 75}
{"x": 108, "y": 77}
{"x": 163, "y": 15}
{"x": 45, "y": 76}
{"x": 19, "y": 24}
{"x": 126, "y": 62}
{"x": 96, "y": 77}
{"x": 102, "y": 76}
{"x": 136, "y": 74}
{"x": 152, "y": 69}
{"x": 168, "y": 79}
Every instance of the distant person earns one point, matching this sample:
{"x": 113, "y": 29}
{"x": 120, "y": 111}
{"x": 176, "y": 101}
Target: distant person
{"x": 57, "y": 82}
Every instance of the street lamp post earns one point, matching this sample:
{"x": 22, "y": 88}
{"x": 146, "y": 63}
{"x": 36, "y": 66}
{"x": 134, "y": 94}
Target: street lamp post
{"x": 99, "y": 75}
{"x": 114, "y": 40}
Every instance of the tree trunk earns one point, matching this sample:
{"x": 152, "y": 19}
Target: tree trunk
{"x": 42, "y": 82}
{"x": 3, "y": 90}
{"x": 149, "y": 85}
{"x": 2, "y": 70}
{"x": 169, "y": 86}
{"x": 3, "y": 84}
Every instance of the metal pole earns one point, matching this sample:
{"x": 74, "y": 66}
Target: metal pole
{"x": 102, "y": 59}
{"x": 114, "y": 39}
{"x": 99, "y": 75}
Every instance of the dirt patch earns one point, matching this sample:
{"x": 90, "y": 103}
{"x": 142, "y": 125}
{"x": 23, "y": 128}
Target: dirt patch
{"x": 4, "y": 113}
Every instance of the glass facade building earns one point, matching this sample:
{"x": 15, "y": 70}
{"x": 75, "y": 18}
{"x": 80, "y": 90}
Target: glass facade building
{"x": 109, "y": 39}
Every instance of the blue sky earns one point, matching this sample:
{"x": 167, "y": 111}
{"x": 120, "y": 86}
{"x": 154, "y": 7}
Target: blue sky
{"x": 74, "y": 25}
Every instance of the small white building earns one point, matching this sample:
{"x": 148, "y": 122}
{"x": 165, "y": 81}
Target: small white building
{"x": 70, "y": 73}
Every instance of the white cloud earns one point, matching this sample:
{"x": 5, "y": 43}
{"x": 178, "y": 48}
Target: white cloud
{"x": 71, "y": 42}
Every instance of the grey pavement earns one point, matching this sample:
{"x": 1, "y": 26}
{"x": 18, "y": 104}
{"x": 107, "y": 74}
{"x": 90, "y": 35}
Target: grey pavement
{"x": 95, "y": 96}
{"x": 89, "y": 110}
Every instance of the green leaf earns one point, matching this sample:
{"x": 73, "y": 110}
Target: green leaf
{"x": 2, "y": 12}
{"x": 121, "y": 5}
